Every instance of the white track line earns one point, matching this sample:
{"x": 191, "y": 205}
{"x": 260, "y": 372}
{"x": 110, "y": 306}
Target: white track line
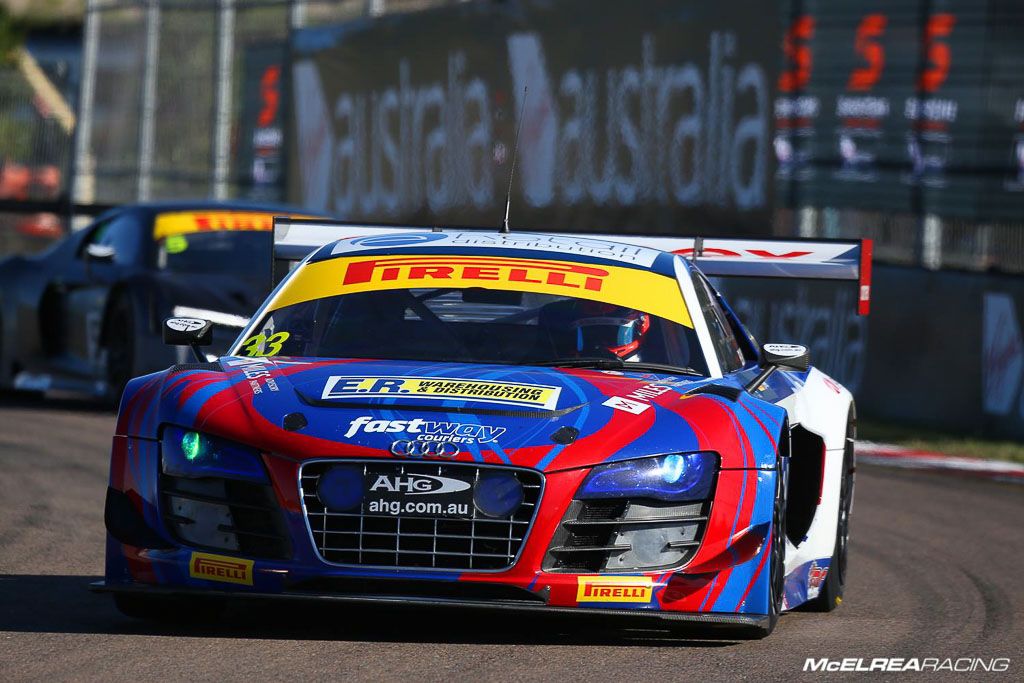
{"x": 890, "y": 455}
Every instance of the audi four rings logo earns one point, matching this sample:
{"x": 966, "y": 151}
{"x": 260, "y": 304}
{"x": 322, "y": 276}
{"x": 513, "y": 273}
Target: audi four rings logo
{"x": 424, "y": 449}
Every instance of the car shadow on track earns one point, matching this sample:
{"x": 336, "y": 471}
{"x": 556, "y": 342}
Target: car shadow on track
{"x": 63, "y": 604}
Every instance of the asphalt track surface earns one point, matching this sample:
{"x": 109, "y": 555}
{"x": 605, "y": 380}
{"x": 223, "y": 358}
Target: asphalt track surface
{"x": 936, "y": 570}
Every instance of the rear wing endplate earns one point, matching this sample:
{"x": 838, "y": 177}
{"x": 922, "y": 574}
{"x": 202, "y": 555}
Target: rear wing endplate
{"x": 806, "y": 259}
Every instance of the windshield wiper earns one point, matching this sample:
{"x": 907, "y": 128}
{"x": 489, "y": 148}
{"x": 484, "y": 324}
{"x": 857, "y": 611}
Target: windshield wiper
{"x": 616, "y": 364}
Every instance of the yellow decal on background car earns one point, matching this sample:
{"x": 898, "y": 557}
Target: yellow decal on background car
{"x": 630, "y": 287}
{"x": 440, "y": 388}
{"x": 614, "y": 589}
{"x": 184, "y": 222}
{"x": 220, "y": 568}
{"x": 175, "y": 244}
{"x": 261, "y": 345}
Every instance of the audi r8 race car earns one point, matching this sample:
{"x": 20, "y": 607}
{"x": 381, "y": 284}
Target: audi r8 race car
{"x": 527, "y": 421}
{"x": 86, "y": 315}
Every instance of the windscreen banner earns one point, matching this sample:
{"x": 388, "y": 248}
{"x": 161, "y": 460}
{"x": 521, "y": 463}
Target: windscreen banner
{"x": 650, "y": 115}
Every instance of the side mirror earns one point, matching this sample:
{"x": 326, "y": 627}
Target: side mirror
{"x": 100, "y": 252}
{"x": 792, "y": 356}
{"x": 191, "y": 332}
{"x": 780, "y": 356}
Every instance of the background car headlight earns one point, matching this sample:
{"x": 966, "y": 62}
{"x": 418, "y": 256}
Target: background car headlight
{"x": 671, "y": 478}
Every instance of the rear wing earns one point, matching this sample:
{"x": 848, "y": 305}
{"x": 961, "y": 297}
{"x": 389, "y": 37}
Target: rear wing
{"x": 806, "y": 259}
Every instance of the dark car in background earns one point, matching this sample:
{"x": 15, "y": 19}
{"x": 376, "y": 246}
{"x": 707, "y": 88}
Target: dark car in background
{"x": 85, "y": 316}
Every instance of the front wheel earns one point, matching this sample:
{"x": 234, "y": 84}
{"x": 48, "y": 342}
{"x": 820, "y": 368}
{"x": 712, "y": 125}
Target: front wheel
{"x": 777, "y": 561}
{"x": 119, "y": 344}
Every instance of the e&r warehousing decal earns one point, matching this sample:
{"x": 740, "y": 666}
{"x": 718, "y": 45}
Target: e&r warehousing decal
{"x": 440, "y": 388}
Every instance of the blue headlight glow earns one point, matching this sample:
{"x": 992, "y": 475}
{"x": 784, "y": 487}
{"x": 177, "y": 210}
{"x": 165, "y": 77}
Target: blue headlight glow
{"x": 672, "y": 478}
{"x": 341, "y": 487}
{"x": 498, "y": 494}
{"x": 187, "y": 453}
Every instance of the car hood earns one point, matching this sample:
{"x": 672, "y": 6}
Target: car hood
{"x": 543, "y": 418}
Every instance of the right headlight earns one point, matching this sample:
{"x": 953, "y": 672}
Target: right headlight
{"x": 670, "y": 478}
{"x": 636, "y": 515}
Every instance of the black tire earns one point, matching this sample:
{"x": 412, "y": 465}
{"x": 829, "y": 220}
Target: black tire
{"x": 169, "y": 610}
{"x": 119, "y": 344}
{"x": 777, "y": 561}
{"x": 7, "y": 373}
{"x": 831, "y": 595}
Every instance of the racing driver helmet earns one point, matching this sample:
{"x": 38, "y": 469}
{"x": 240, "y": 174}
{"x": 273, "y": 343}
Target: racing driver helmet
{"x": 616, "y": 329}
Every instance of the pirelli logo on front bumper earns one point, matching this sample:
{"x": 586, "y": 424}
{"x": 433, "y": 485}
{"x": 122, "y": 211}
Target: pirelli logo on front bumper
{"x": 220, "y": 568}
{"x": 614, "y": 589}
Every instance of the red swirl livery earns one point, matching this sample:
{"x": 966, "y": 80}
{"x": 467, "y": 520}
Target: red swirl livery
{"x": 538, "y": 422}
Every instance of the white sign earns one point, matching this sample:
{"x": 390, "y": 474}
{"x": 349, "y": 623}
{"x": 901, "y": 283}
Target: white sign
{"x": 626, "y": 404}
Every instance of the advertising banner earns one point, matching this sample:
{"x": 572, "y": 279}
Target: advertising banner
{"x": 652, "y": 115}
{"x": 909, "y": 106}
{"x": 261, "y": 139}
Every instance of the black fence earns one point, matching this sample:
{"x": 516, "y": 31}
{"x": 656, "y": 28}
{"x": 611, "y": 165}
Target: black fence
{"x": 940, "y": 349}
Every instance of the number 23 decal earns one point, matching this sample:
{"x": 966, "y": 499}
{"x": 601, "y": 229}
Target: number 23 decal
{"x": 262, "y": 345}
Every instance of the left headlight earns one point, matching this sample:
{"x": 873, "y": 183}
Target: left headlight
{"x": 216, "y": 494}
{"x": 191, "y": 454}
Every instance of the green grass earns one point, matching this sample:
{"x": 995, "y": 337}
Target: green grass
{"x": 939, "y": 442}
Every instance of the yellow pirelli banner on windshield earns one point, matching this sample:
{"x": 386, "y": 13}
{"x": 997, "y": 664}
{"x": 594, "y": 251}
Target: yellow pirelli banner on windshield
{"x": 185, "y": 222}
{"x": 630, "y": 287}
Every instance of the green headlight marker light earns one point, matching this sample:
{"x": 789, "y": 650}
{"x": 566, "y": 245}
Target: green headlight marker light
{"x": 192, "y": 445}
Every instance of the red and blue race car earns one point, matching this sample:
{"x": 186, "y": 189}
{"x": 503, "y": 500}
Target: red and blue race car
{"x": 530, "y": 421}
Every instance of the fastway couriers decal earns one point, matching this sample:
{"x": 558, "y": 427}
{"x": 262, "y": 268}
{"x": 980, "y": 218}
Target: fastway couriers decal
{"x": 439, "y": 388}
{"x": 426, "y": 430}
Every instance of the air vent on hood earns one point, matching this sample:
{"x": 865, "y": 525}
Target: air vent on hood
{"x": 185, "y": 367}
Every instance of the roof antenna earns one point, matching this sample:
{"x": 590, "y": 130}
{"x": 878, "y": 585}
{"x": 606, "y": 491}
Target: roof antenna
{"x": 503, "y": 230}
{"x": 698, "y": 249}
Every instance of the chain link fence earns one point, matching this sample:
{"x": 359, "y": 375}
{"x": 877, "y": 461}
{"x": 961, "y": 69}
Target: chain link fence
{"x": 36, "y": 128}
{"x": 185, "y": 98}
{"x": 188, "y": 98}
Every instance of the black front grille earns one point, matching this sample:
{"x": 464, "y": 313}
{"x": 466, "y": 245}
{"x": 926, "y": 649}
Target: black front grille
{"x": 604, "y": 535}
{"x": 217, "y": 514}
{"x": 364, "y": 538}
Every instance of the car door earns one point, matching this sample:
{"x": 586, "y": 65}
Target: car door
{"x": 111, "y": 249}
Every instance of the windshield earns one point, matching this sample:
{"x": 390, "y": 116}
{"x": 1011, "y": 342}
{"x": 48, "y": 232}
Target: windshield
{"x": 519, "y": 316}
{"x": 229, "y": 252}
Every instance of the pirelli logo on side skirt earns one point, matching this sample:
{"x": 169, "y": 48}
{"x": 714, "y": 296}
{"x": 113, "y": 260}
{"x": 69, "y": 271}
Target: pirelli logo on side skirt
{"x": 220, "y": 568}
{"x": 614, "y": 589}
